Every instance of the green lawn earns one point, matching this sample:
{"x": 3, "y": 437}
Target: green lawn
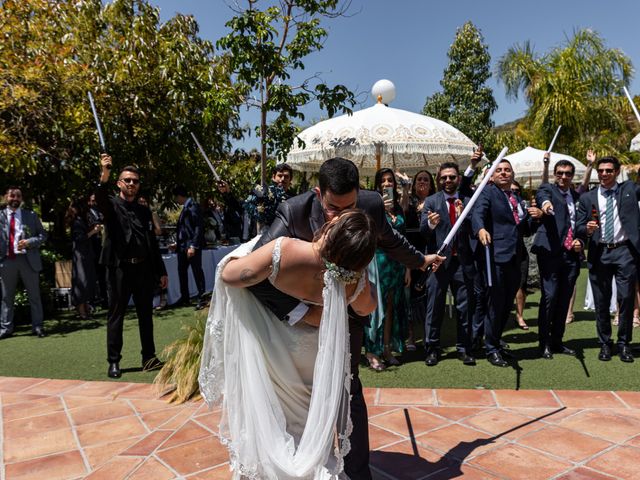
{"x": 77, "y": 349}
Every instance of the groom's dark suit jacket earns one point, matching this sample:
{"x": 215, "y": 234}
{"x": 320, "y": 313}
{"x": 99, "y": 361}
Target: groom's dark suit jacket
{"x": 302, "y": 216}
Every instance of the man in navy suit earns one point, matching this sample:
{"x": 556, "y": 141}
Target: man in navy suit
{"x": 608, "y": 219}
{"x": 558, "y": 251}
{"x": 499, "y": 220}
{"x": 438, "y": 216}
{"x": 190, "y": 240}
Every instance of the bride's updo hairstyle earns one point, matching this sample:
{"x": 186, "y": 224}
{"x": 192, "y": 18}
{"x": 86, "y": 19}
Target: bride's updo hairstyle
{"x": 350, "y": 241}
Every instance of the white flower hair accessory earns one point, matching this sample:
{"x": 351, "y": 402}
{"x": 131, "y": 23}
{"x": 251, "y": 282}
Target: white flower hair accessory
{"x": 340, "y": 273}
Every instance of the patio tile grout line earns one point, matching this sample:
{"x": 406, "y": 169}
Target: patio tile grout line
{"x": 74, "y": 432}
{"x": 162, "y": 462}
{"x": 138, "y": 416}
{"x": 625, "y": 404}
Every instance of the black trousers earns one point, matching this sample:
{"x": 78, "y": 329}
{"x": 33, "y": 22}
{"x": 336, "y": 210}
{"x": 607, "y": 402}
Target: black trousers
{"x": 620, "y": 263}
{"x": 506, "y": 281}
{"x": 195, "y": 263}
{"x": 481, "y": 297}
{"x": 123, "y": 282}
{"x": 558, "y": 276}
{"x": 460, "y": 278}
{"x": 356, "y": 463}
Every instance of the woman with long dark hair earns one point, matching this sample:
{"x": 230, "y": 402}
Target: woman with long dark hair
{"x": 412, "y": 204}
{"x": 83, "y": 271}
{"x": 386, "y": 331}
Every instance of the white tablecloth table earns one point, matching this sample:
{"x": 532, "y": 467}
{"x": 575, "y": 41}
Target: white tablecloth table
{"x": 210, "y": 260}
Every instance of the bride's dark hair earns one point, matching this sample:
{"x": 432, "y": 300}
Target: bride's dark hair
{"x": 350, "y": 241}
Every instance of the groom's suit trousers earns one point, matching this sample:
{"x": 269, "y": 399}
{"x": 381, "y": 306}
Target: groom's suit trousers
{"x": 356, "y": 464}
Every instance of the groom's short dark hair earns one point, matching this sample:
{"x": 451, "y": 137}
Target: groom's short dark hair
{"x": 338, "y": 175}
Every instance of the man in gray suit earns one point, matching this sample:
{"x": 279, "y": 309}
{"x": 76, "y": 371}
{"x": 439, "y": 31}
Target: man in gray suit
{"x": 21, "y": 235}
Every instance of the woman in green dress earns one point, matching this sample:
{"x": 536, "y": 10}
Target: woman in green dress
{"x": 386, "y": 331}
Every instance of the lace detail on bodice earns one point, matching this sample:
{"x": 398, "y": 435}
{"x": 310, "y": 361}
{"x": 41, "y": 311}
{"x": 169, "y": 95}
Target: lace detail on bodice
{"x": 359, "y": 288}
{"x": 275, "y": 260}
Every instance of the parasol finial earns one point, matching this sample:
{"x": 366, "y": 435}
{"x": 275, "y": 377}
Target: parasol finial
{"x": 384, "y": 91}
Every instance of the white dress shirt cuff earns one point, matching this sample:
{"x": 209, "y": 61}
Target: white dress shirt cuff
{"x": 469, "y": 172}
{"x": 297, "y": 313}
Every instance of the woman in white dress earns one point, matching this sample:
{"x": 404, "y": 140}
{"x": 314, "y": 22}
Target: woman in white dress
{"x": 284, "y": 389}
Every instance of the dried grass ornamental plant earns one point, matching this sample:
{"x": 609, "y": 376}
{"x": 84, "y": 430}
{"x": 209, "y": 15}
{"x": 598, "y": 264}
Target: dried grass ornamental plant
{"x": 178, "y": 378}
{"x": 263, "y": 202}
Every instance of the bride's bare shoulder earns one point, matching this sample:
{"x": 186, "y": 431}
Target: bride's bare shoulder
{"x": 296, "y": 250}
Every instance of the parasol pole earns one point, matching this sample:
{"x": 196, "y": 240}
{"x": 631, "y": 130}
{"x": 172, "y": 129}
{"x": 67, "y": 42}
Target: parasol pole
{"x": 456, "y": 226}
{"x": 378, "y": 155}
{"x": 98, "y": 126}
{"x": 633, "y": 105}
{"x": 487, "y": 257}
{"x": 213, "y": 170}
{"x": 555, "y": 137}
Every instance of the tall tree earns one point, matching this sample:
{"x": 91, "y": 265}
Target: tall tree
{"x": 153, "y": 83}
{"x": 466, "y": 102}
{"x": 266, "y": 47}
{"x": 577, "y": 85}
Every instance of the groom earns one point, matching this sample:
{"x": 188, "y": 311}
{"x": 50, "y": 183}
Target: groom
{"x": 301, "y": 217}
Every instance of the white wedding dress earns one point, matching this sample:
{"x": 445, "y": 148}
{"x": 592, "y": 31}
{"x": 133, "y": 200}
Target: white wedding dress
{"x": 284, "y": 389}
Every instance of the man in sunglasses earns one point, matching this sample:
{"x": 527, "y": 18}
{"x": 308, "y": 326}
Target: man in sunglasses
{"x": 558, "y": 253}
{"x": 132, "y": 258}
{"x": 608, "y": 220}
{"x": 440, "y": 212}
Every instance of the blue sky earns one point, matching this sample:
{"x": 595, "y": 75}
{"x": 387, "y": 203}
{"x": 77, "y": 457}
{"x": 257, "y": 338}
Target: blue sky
{"x": 406, "y": 41}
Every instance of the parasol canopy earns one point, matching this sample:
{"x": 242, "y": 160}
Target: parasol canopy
{"x": 404, "y": 140}
{"x": 528, "y": 165}
{"x": 635, "y": 144}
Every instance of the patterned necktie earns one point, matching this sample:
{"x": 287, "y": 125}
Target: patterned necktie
{"x": 514, "y": 206}
{"x": 452, "y": 219}
{"x": 12, "y": 236}
{"x": 568, "y": 241}
{"x": 608, "y": 217}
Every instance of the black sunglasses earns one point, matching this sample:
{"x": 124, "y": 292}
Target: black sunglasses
{"x": 135, "y": 181}
{"x": 606, "y": 170}
{"x": 449, "y": 177}
{"x": 564, "y": 174}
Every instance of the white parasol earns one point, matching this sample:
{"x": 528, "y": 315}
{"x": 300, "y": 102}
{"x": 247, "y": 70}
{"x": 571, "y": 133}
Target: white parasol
{"x": 635, "y": 144}
{"x": 401, "y": 140}
{"x": 528, "y": 165}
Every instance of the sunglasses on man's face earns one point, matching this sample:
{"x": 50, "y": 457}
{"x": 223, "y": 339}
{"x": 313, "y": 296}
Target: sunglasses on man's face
{"x": 449, "y": 177}
{"x": 606, "y": 170}
{"x": 564, "y": 174}
{"x": 135, "y": 181}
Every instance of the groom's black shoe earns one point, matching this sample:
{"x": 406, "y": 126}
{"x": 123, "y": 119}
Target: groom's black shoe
{"x": 114, "y": 370}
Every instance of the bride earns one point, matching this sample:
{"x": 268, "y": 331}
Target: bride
{"x": 284, "y": 389}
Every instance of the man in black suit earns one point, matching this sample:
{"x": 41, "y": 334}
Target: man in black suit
{"x": 438, "y": 216}
{"x": 558, "y": 252}
{"x": 499, "y": 220}
{"x": 133, "y": 262}
{"x": 608, "y": 219}
{"x": 189, "y": 243}
{"x": 301, "y": 217}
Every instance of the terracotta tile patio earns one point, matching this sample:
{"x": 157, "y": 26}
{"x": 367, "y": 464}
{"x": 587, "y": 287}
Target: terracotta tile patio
{"x": 65, "y": 429}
